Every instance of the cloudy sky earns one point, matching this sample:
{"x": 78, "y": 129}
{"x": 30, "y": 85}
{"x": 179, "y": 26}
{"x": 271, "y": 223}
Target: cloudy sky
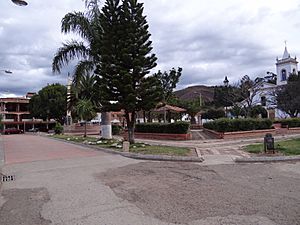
{"x": 208, "y": 39}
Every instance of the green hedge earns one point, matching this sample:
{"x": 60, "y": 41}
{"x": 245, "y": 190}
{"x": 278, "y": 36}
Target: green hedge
{"x": 116, "y": 129}
{"x": 292, "y": 122}
{"x": 166, "y": 128}
{"x": 230, "y": 125}
{"x": 58, "y": 129}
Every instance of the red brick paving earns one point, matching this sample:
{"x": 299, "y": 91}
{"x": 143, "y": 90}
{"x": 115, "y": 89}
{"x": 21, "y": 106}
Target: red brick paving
{"x": 29, "y": 148}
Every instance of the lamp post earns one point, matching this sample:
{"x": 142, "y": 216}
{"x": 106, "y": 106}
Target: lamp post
{"x": 200, "y": 104}
{"x": 226, "y": 84}
{"x": 20, "y": 2}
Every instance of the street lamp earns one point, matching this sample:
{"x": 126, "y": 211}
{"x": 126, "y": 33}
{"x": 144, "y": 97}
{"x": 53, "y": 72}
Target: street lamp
{"x": 20, "y": 2}
{"x": 226, "y": 83}
{"x": 200, "y": 97}
{"x": 200, "y": 105}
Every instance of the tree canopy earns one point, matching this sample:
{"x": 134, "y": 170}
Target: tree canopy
{"x": 50, "y": 103}
{"x": 125, "y": 60}
{"x": 288, "y": 96}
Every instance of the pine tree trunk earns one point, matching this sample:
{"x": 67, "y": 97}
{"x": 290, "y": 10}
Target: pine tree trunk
{"x": 149, "y": 117}
{"x": 130, "y": 126}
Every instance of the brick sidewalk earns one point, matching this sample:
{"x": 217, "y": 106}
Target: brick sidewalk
{"x": 29, "y": 148}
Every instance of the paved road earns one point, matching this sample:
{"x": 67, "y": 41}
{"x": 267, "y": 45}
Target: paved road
{"x": 82, "y": 186}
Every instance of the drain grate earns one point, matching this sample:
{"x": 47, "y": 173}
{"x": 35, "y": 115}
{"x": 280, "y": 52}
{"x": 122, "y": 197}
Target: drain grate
{"x": 7, "y": 178}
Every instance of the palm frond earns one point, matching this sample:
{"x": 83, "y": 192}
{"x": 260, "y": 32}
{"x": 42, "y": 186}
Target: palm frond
{"x": 83, "y": 68}
{"x": 93, "y": 7}
{"x": 68, "y": 52}
{"x": 78, "y": 23}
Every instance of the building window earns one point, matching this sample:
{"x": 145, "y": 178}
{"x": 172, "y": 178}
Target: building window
{"x": 283, "y": 75}
{"x": 263, "y": 100}
{"x": 294, "y": 71}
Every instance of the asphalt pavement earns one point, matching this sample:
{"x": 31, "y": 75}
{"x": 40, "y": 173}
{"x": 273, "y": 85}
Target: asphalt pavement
{"x": 64, "y": 184}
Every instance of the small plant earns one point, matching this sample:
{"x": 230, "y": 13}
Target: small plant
{"x": 116, "y": 129}
{"x": 58, "y": 129}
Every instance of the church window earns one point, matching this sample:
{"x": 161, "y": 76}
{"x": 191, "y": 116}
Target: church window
{"x": 294, "y": 71}
{"x": 283, "y": 75}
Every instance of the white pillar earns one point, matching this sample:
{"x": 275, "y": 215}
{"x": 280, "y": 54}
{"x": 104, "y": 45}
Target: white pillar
{"x": 106, "y": 130}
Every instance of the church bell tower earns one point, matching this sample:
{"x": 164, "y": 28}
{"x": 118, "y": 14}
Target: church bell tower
{"x": 285, "y": 66}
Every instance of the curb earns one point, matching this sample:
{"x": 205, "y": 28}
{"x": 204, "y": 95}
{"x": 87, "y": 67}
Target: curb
{"x": 135, "y": 155}
{"x": 268, "y": 159}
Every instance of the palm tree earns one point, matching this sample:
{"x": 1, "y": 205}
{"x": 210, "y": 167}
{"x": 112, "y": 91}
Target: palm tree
{"x": 85, "y": 110}
{"x": 88, "y": 27}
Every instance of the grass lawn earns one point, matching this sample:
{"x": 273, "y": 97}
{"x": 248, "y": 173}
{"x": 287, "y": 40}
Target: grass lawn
{"x": 288, "y": 147}
{"x": 135, "y": 148}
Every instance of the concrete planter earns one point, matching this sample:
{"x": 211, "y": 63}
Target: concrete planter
{"x": 239, "y": 134}
{"x": 252, "y": 133}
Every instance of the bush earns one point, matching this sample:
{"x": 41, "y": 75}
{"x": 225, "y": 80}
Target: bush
{"x": 231, "y": 125}
{"x": 166, "y": 128}
{"x": 212, "y": 114}
{"x": 116, "y": 129}
{"x": 292, "y": 122}
{"x": 58, "y": 129}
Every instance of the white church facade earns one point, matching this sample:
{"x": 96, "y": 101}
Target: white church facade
{"x": 265, "y": 96}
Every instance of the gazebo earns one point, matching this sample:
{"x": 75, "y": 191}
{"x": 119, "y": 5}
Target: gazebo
{"x": 168, "y": 109}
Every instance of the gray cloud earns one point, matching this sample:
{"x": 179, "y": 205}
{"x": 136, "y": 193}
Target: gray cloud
{"x": 208, "y": 39}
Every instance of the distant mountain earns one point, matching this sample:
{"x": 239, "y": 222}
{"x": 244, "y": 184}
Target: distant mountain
{"x": 193, "y": 92}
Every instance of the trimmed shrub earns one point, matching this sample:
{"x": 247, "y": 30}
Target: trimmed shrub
{"x": 58, "y": 129}
{"x": 166, "y": 128}
{"x": 212, "y": 114}
{"x": 292, "y": 122}
{"x": 116, "y": 129}
{"x": 231, "y": 125}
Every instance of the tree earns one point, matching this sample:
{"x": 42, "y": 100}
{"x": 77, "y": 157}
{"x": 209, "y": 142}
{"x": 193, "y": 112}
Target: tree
{"x": 86, "y": 88}
{"x": 212, "y": 114}
{"x": 258, "y": 110}
{"x": 50, "y": 102}
{"x": 227, "y": 96}
{"x": 288, "y": 96}
{"x": 88, "y": 27}
{"x": 168, "y": 84}
{"x": 248, "y": 90}
{"x": 192, "y": 108}
{"x": 126, "y": 59}
{"x": 85, "y": 110}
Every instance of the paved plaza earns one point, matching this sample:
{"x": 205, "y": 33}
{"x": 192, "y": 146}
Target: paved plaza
{"x": 64, "y": 184}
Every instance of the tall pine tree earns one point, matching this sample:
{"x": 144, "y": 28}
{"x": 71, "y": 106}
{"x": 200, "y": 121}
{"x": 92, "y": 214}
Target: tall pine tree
{"x": 126, "y": 60}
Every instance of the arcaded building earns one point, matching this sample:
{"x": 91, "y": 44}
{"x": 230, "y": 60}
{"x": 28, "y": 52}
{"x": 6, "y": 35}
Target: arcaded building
{"x": 15, "y": 113}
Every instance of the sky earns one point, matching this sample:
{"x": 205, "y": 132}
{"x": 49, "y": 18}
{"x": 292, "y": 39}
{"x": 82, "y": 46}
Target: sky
{"x": 208, "y": 39}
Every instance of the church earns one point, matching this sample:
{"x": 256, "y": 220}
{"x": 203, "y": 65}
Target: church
{"x": 265, "y": 95}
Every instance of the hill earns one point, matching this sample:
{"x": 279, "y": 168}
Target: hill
{"x": 193, "y": 92}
